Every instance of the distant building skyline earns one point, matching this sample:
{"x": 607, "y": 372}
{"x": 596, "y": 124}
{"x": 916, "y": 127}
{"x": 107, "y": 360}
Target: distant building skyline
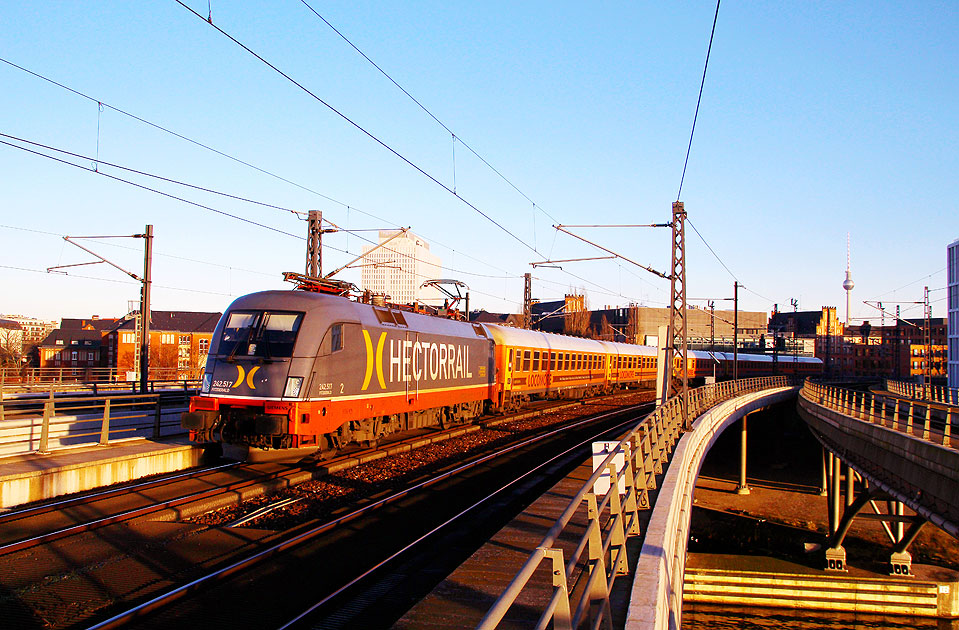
{"x": 400, "y": 267}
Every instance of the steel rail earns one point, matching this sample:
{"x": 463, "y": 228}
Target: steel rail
{"x": 13, "y": 514}
{"x": 299, "y": 539}
{"x": 138, "y": 512}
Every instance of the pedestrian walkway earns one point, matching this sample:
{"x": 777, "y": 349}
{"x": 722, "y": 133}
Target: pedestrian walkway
{"x": 34, "y": 477}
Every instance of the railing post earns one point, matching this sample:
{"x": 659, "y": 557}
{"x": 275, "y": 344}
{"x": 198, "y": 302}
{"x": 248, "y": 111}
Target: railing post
{"x": 895, "y": 416}
{"x": 562, "y": 619}
{"x": 629, "y": 472}
{"x": 156, "y": 419}
{"x": 105, "y": 426}
{"x": 45, "y": 428}
{"x": 862, "y": 406}
{"x": 649, "y": 462}
{"x": 598, "y": 593}
{"x": 909, "y": 420}
{"x": 927, "y": 422}
{"x": 617, "y": 538}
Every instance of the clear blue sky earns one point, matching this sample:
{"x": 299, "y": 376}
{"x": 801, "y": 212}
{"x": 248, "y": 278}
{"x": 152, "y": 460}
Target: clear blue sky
{"x": 817, "y": 119}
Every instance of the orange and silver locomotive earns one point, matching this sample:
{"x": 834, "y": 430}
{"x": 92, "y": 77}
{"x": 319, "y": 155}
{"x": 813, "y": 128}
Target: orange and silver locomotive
{"x": 295, "y": 369}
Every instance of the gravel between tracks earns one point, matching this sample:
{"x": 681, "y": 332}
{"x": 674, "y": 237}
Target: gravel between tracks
{"x": 320, "y": 499}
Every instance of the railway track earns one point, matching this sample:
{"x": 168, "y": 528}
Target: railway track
{"x": 308, "y": 598}
{"x": 152, "y": 556}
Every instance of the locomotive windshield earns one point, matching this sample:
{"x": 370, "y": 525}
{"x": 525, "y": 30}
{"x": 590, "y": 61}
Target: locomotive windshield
{"x": 265, "y": 334}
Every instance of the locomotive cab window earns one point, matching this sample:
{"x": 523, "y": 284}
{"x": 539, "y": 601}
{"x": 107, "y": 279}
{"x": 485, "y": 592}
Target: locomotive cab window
{"x": 264, "y": 334}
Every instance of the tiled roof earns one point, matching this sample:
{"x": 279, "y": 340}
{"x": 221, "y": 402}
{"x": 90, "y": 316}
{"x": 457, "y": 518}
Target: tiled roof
{"x": 177, "y": 321}
{"x": 71, "y": 336}
{"x": 9, "y": 323}
{"x": 96, "y": 324}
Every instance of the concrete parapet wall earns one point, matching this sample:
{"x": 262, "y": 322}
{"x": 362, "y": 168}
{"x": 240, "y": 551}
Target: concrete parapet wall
{"x": 48, "y": 482}
{"x": 860, "y": 595}
{"x": 657, "y": 594}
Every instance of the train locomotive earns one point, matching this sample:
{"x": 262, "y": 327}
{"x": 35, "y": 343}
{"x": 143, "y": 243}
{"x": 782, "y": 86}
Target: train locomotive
{"x": 305, "y": 369}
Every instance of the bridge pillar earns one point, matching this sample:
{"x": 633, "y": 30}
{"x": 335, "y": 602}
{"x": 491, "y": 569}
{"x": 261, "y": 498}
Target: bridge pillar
{"x": 835, "y": 494}
{"x": 850, "y": 485}
{"x": 836, "y": 559}
{"x": 743, "y": 487}
{"x": 826, "y": 463}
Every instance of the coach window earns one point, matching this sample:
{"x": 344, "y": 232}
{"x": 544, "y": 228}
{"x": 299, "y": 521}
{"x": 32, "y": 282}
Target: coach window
{"x": 526, "y": 355}
{"x": 552, "y": 361}
{"x": 566, "y": 361}
{"x": 536, "y": 361}
{"x": 509, "y": 358}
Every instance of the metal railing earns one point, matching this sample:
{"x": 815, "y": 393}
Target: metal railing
{"x": 581, "y": 585}
{"x": 29, "y": 375}
{"x": 933, "y": 393}
{"x": 26, "y": 426}
{"x": 922, "y": 419}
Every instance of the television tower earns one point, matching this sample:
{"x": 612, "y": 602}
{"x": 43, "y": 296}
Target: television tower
{"x": 848, "y": 284}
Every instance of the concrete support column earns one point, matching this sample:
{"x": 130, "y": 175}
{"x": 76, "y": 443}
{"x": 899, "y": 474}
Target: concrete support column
{"x": 900, "y": 526}
{"x": 836, "y": 494}
{"x": 743, "y": 488}
{"x": 826, "y": 466}
{"x": 850, "y": 485}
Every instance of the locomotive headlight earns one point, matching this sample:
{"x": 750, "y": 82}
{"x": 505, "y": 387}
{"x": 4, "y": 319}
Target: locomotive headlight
{"x": 293, "y": 384}
{"x": 205, "y": 385}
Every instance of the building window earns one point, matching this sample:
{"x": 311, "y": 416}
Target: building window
{"x": 89, "y": 356}
{"x": 184, "y": 340}
{"x": 73, "y": 355}
{"x": 204, "y": 345}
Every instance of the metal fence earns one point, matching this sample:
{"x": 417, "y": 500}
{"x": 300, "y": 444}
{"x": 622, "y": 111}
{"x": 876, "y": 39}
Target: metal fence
{"x": 96, "y": 380}
{"x": 581, "y": 584}
{"x": 32, "y": 425}
{"x": 933, "y": 393}
{"x": 924, "y": 419}
{"x": 93, "y": 374}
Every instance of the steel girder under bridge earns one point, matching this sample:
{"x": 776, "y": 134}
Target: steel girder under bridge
{"x": 903, "y": 451}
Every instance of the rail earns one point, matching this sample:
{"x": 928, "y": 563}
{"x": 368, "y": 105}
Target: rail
{"x": 922, "y": 419}
{"x": 933, "y": 393}
{"x": 599, "y": 556}
{"x": 81, "y": 420}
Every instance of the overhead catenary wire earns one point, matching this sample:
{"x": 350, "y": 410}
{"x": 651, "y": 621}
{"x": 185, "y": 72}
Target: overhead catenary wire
{"x": 346, "y": 206}
{"x": 139, "y": 250}
{"x": 456, "y": 138}
{"x": 153, "y": 190}
{"x": 699, "y": 99}
{"x": 359, "y": 127}
{"x": 114, "y": 280}
{"x": 153, "y": 176}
